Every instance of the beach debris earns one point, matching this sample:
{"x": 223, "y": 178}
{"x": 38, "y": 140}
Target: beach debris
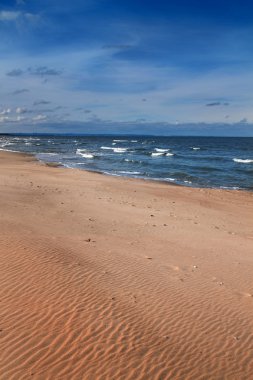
{"x": 195, "y": 266}
{"x": 236, "y": 337}
{"x": 152, "y": 215}
{"x": 221, "y": 283}
{"x": 91, "y": 220}
{"x": 165, "y": 224}
{"x": 88, "y": 240}
{"x": 148, "y": 258}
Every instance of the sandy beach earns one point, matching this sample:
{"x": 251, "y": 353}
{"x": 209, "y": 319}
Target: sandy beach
{"x": 113, "y": 278}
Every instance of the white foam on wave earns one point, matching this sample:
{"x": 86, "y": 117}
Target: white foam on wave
{"x": 114, "y": 174}
{"x": 169, "y": 154}
{"x": 134, "y": 141}
{"x": 187, "y": 182}
{"x": 106, "y": 148}
{"x": 230, "y": 188}
{"x": 195, "y": 148}
{"x": 9, "y": 150}
{"x": 120, "y": 140}
{"x": 7, "y": 143}
{"x": 119, "y": 150}
{"x": 126, "y": 172}
{"x": 243, "y": 161}
{"x": 170, "y": 179}
{"x": 78, "y": 151}
{"x": 157, "y": 154}
{"x": 49, "y": 154}
{"x": 84, "y": 154}
{"x": 161, "y": 150}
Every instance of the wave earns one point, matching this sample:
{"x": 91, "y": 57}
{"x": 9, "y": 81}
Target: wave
{"x": 87, "y": 155}
{"x": 170, "y": 179}
{"x": 243, "y": 161}
{"x": 128, "y": 172}
{"x": 7, "y": 143}
{"x": 49, "y": 154}
{"x": 161, "y": 150}
{"x": 79, "y": 151}
{"x": 120, "y": 140}
{"x": 106, "y": 148}
{"x": 84, "y": 153}
{"x": 157, "y": 154}
{"x": 119, "y": 150}
{"x": 195, "y": 148}
{"x": 9, "y": 150}
{"x": 230, "y": 187}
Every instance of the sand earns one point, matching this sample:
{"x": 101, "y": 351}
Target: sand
{"x": 112, "y": 278}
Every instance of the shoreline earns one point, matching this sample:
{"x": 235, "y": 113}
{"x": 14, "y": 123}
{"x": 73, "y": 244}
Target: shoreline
{"x": 151, "y": 180}
{"x": 123, "y": 278}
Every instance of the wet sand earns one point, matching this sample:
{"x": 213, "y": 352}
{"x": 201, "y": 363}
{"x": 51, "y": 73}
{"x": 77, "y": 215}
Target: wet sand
{"x": 113, "y": 278}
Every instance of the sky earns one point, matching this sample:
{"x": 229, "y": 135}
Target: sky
{"x": 107, "y": 66}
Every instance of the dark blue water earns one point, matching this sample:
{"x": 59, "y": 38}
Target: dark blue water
{"x": 217, "y": 162}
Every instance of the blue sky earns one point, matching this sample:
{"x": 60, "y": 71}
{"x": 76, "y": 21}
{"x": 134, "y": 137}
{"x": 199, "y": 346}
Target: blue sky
{"x": 107, "y": 65}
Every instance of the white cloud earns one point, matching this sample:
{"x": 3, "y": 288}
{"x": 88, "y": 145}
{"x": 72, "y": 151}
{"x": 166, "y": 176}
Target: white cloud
{"x": 3, "y": 119}
{"x": 9, "y": 15}
{"x": 21, "y": 110}
{"x": 5, "y": 111}
{"x": 20, "y": 118}
{"x": 39, "y": 117}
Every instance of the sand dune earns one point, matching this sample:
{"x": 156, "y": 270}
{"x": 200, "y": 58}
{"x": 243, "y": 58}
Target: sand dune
{"x": 111, "y": 278}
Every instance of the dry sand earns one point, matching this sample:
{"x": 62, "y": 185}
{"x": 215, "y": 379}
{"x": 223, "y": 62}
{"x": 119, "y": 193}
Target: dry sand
{"x": 111, "y": 278}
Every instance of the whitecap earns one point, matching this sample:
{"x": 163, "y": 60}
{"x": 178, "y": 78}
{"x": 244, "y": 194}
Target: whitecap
{"x": 195, "y": 148}
{"x": 87, "y": 155}
{"x": 49, "y": 154}
{"x": 84, "y": 154}
{"x": 126, "y": 172}
{"x": 161, "y": 150}
{"x": 119, "y": 150}
{"x": 79, "y": 151}
{"x": 169, "y": 154}
{"x": 9, "y": 150}
{"x": 114, "y": 174}
{"x": 229, "y": 188}
{"x": 106, "y": 148}
{"x": 157, "y": 154}
{"x": 243, "y": 161}
{"x": 120, "y": 140}
{"x": 170, "y": 179}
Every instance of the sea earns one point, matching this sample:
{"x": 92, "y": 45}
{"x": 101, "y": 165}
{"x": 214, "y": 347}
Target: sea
{"x": 203, "y": 162}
